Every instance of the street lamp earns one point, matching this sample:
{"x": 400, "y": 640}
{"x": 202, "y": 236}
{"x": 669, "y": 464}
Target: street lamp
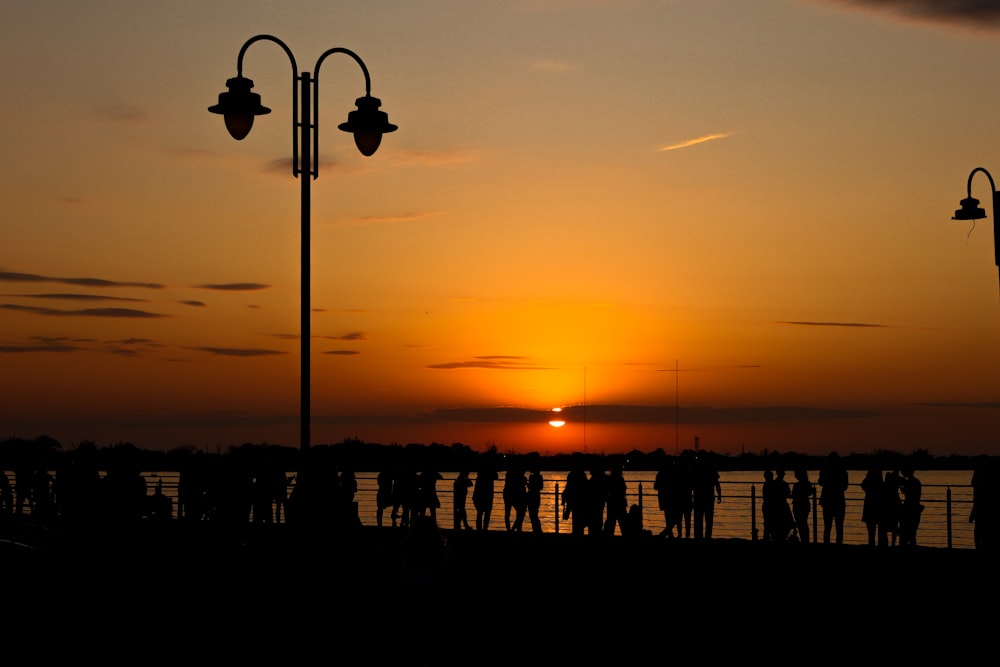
{"x": 239, "y": 106}
{"x": 971, "y": 210}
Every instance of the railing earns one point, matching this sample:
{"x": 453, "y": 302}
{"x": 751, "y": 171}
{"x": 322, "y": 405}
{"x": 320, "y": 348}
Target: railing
{"x": 944, "y": 522}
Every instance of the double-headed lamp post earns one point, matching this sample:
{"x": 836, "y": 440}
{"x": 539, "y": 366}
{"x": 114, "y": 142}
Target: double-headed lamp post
{"x": 971, "y": 210}
{"x": 239, "y": 106}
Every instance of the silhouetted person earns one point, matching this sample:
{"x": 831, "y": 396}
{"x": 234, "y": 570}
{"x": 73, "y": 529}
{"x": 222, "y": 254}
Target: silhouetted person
{"x": 535, "y": 485}
{"x": 666, "y": 484}
{"x": 574, "y": 498}
{"x": 383, "y": 495}
{"x": 7, "y": 495}
{"x": 833, "y": 498}
{"x": 77, "y": 486}
{"x": 460, "y": 492}
{"x": 802, "y": 495}
{"x": 707, "y": 491}
{"x": 483, "y": 494}
{"x": 871, "y": 509}
{"x": 617, "y": 504}
{"x": 407, "y": 495}
{"x": 911, "y": 509}
{"x": 515, "y": 497}
{"x": 766, "y": 502}
{"x": 891, "y": 506}
{"x": 596, "y": 499}
{"x": 685, "y": 492}
{"x": 428, "y": 493}
{"x": 632, "y": 527}
{"x": 985, "y": 512}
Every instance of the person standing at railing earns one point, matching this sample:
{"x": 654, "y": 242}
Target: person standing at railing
{"x": 909, "y": 514}
{"x": 460, "y": 492}
{"x": 985, "y": 513}
{"x": 871, "y": 509}
{"x": 617, "y": 507}
{"x": 833, "y": 498}
{"x": 483, "y": 492}
{"x": 802, "y": 494}
{"x": 707, "y": 491}
{"x": 574, "y": 498}
{"x": 515, "y": 497}
{"x": 535, "y": 485}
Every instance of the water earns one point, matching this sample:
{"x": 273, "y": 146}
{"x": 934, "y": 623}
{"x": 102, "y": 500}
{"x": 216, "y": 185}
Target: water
{"x": 733, "y": 516}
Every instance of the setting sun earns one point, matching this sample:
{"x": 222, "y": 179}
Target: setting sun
{"x": 556, "y": 421}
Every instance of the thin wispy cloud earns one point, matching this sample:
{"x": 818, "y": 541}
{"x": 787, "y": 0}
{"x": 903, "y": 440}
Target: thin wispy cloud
{"x": 981, "y": 15}
{"x": 235, "y": 351}
{"x": 19, "y": 349}
{"x": 863, "y": 325}
{"x": 234, "y": 287}
{"x": 78, "y": 297}
{"x": 86, "y": 312}
{"x": 7, "y": 276}
{"x": 494, "y": 362}
{"x": 122, "y": 113}
{"x": 353, "y": 336}
{"x": 196, "y": 304}
{"x": 705, "y": 138}
{"x": 342, "y": 353}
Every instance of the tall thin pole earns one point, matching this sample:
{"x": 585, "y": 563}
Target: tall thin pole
{"x": 677, "y": 408}
{"x": 305, "y": 176}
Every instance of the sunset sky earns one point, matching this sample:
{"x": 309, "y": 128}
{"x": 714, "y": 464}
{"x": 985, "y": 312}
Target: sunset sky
{"x": 718, "y": 219}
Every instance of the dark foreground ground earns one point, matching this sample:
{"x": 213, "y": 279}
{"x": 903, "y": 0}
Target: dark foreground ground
{"x": 272, "y": 585}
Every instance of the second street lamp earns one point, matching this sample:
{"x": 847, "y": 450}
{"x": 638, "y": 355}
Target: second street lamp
{"x": 971, "y": 210}
{"x": 239, "y": 106}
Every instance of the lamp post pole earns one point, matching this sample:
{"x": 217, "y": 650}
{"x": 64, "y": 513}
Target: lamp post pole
{"x": 239, "y": 106}
{"x": 970, "y": 210}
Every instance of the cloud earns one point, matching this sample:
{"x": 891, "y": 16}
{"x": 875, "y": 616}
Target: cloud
{"x": 235, "y": 351}
{"x": 694, "y": 142}
{"x": 645, "y": 414}
{"x": 86, "y": 312}
{"x": 234, "y": 287}
{"x": 982, "y": 15}
{"x": 497, "y": 362}
{"x": 353, "y": 336}
{"x": 17, "y": 349}
{"x": 79, "y": 297}
{"x": 862, "y": 325}
{"x": 85, "y": 282}
{"x": 197, "y": 304}
{"x": 343, "y": 353}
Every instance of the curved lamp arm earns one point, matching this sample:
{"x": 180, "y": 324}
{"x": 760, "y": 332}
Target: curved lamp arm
{"x": 970, "y": 209}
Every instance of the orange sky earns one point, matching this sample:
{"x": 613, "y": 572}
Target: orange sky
{"x": 723, "y": 220}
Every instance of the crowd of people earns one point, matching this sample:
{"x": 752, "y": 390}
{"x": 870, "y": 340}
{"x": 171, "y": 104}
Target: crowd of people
{"x": 594, "y": 501}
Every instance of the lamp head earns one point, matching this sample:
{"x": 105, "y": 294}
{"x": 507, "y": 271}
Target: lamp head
{"x": 368, "y": 124}
{"x": 970, "y": 210}
{"x": 238, "y": 106}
